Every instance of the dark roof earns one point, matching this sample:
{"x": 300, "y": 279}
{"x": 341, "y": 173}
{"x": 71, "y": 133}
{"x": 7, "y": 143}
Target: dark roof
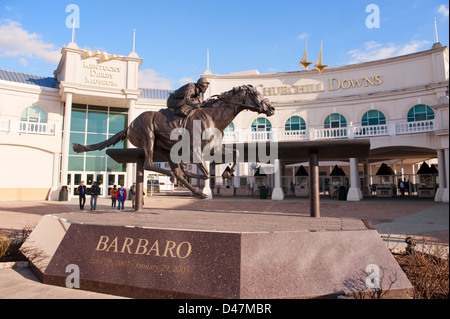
{"x": 427, "y": 170}
{"x": 301, "y": 171}
{"x": 385, "y": 170}
{"x": 434, "y": 170}
{"x": 25, "y": 78}
{"x": 337, "y": 171}
{"x": 157, "y": 94}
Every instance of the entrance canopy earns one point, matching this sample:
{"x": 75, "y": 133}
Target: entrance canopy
{"x": 292, "y": 152}
{"x": 289, "y": 152}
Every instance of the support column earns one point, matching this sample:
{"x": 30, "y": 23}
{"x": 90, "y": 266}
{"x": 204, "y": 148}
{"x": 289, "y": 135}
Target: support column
{"x": 442, "y": 183}
{"x": 130, "y": 166}
{"x": 139, "y": 185}
{"x": 66, "y": 140}
{"x": 314, "y": 199}
{"x": 445, "y": 196}
{"x": 354, "y": 193}
{"x": 366, "y": 186}
{"x": 55, "y": 177}
{"x": 207, "y": 188}
{"x": 277, "y": 193}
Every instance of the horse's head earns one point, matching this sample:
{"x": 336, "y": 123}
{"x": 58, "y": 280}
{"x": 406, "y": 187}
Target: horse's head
{"x": 254, "y": 101}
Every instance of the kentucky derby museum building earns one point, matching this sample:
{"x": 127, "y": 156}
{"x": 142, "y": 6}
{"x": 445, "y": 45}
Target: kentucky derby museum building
{"x": 400, "y": 104}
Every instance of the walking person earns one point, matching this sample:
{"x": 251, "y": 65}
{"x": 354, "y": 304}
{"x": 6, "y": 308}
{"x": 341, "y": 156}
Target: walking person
{"x": 402, "y": 187}
{"x": 133, "y": 194}
{"x": 82, "y": 195}
{"x": 95, "y": 191}
{"x": 113, "y": 193}
{"x": 121, "y": 197}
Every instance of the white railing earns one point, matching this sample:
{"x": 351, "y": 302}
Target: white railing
{"x": 352, "y": 131}
{"x": 415, "y": 127}
{"x": 326, "y": 133}
{"x": 17, "y": 126}
{"x": 372, "y": 130}
{"x": 294, "y": 135}
{"x": 37, "y": 128}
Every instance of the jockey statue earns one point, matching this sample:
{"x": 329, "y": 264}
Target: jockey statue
{"x": 187, "y": 98}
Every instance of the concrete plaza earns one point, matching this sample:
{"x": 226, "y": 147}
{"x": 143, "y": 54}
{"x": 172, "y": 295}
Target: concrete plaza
{"x": 394, "y": 218}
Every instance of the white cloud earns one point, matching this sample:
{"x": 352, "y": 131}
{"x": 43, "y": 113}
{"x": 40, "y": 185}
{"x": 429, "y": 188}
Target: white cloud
{"x": 185, "y": 80}
{"x": 149, "y": 78}
{"x": 18, "y": 43}
{"x": 376, "y": 51}
{"x": 302, "y": 36}
{"x": 443, "y": 10}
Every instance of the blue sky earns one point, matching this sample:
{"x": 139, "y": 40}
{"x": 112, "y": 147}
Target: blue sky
{"x": 173, "y": 36}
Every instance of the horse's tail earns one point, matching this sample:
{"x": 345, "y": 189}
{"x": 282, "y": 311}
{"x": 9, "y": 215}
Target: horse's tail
{"x": 78, "y": 148}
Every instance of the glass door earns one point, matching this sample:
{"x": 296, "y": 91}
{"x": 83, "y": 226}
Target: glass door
{"x": 115, "y": 179}
{"x": 75, "y": 179}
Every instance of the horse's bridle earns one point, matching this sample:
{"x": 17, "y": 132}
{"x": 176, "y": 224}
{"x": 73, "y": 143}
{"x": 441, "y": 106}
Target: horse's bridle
{"x": 247, "y": 106}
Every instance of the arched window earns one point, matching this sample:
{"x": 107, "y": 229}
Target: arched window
{"x": 261, "y": 129}
{"x": 295, "y": 123}
{"x": 373, "y": 117}
{"x": 229, "y": 128}
{"x": 420, "y": 112}
{"x": 335, "y": 120}
{"x": 33, "y": 120}
{"x": 33, "y": 114}
{"x": 261, "y": 125}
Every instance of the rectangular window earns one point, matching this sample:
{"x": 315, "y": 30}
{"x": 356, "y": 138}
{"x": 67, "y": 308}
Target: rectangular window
{"x": 121, "y": 180}
{"x": 76, "y": 163}
{"x": 97, "y": 122}
{"x": 117, "y": 123}
{"x": 78, "y": 121}
{"x": 77, "y": 179}
{"x": 111, "y": 179}
{"x": 76, "y": 138}
{"x": 113, "y": 166}
{"x": 95, "y": 139}
{"x": 95, "y": 164}
{"x": 91, "y": 124}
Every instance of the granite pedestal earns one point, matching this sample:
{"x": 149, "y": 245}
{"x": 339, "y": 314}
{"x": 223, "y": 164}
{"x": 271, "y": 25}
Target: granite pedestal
{"x": 186, "y": 254}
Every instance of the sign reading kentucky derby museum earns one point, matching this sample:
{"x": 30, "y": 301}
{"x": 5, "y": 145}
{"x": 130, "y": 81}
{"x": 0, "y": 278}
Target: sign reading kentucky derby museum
{"x": 102, "y": 74}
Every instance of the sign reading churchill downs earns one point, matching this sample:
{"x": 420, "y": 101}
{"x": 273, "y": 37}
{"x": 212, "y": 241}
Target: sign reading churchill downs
{"x": 333, "y": 84}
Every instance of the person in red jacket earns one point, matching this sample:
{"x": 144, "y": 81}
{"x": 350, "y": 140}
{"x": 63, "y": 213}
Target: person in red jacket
{"x": 121, "y": 196}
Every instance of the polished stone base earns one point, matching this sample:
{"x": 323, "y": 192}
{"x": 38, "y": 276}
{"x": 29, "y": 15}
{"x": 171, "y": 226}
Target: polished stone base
{"x": 320, "y": 258}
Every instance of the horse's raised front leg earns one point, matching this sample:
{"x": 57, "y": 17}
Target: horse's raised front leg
{"x": 177, "y": 171}
{"x": 183, "y": 168}
{"x": 204, "y": 169}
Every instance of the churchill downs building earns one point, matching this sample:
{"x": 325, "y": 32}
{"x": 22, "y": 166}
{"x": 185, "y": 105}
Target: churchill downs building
{"x": 401, "y": 104}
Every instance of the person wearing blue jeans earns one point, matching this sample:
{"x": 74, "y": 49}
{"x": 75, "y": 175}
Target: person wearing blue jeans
{"x": 82, "y": 195}
{"x": 121, "y": 196}
{"x": 95, "y": 191}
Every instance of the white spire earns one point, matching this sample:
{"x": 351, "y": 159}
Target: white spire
{"x": 134, "y": 40}
{"x": 208, "y": 68}
{"x": 436, "y": 31}
{"x": 73, "y": 30}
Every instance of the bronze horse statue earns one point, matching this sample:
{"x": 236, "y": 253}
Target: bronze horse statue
{"x": 151, "y": 131}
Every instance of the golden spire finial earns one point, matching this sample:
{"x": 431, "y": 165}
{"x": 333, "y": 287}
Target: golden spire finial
{"x": 319, "y": 64}
{"x": 304, "y": 61}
